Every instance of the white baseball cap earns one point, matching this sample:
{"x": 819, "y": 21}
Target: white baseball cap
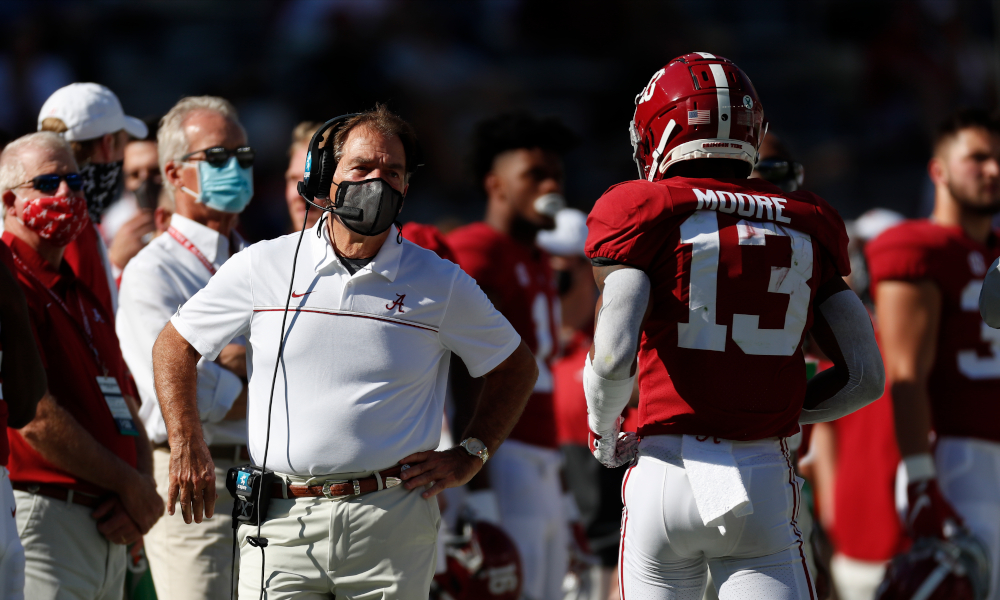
{"x": 569, "y": 237}
{"x": 89, "y": 111}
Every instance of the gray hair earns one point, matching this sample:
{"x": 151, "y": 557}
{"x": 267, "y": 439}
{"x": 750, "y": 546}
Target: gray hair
{"x": 12, "y": 173}
{"x": 172, "y": 142}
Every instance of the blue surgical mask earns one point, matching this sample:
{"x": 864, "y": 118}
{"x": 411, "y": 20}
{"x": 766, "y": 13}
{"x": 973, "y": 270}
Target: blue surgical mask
{"x": 227, "y": 189}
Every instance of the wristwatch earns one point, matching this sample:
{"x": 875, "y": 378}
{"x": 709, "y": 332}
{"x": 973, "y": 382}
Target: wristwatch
{"x": 476, "y": 448}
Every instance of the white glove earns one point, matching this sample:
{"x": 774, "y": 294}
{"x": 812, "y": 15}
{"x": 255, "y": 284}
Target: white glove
{"x": 614, "y": 448}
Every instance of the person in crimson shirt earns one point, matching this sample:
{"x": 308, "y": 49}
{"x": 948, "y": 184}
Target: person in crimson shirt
{"x": 517, "y": 160}
{"x": 709, "y": 282}
{"x": 90, "y": 117}
{"x": 81, "y": 470}
{"x": 942, "y": 360}
{"x": 23, "y": 378}
{"x": 593, "y": 498}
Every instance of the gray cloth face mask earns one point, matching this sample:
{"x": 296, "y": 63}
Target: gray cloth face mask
{"x": 367, "y": 207}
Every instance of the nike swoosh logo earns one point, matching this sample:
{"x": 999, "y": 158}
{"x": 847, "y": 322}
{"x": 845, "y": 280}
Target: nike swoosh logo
{"x": 294, "y": 295}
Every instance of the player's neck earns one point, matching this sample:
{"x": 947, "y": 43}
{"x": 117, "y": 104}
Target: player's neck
{"x": 510, "y": 224}
{"x": 948, "y": 212}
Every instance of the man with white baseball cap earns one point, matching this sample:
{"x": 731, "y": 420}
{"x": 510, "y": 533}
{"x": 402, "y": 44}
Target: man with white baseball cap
{"x": 90, "y": 117}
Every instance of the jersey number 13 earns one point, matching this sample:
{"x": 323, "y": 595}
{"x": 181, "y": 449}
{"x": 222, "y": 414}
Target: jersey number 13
{"x": 702, "y": 331}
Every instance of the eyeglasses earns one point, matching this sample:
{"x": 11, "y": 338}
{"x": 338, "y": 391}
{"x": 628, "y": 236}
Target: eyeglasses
{"x": 219, "y": 156}
{"x": 49, "y": 182}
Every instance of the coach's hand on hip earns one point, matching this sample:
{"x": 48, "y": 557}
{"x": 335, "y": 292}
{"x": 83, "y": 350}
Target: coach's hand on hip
{"x": 506, "y": 390}
{"x": 192, "y": 472}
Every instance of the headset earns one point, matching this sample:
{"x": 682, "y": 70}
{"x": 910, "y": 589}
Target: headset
{"x": 249, "y": 485}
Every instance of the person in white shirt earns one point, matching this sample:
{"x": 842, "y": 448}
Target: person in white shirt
{"x": 206, "y": 166}
{"x": 360, "y": 390}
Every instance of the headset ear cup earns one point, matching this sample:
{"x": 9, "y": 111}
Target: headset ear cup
{"x": 326, "y": 169}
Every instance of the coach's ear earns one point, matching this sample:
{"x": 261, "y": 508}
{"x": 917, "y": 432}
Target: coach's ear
{"x": 8, "y": 199}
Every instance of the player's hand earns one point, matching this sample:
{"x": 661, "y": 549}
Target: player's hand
{"x": 450, "y": 468}
{"x": 114, "y": 523}
{"x": 614, "y": 448}
{"x": 141, "y": 501}
{"x": 192, "y": 481}
{"x": 928, "y": 514}
{"x": 131, "y": 237}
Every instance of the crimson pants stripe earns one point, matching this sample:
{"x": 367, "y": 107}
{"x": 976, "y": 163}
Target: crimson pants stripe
{"x": 795, "y": 511}
{"x": 621, "y": 546}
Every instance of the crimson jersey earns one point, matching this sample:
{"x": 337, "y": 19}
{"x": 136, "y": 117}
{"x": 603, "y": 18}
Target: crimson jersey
{"x": 734, "y": 267}
{"x": 429, "y": 237}
{"x": 569, "y": 398}
{"x": 518, "y": 278}
{"x": 964, "y": 382}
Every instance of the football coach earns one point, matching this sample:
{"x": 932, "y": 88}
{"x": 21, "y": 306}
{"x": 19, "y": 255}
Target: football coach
{"x": 359, "y": 391}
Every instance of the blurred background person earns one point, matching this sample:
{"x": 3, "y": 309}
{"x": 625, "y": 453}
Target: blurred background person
{"x": 132, "y": 215}
{"x": 207, "y": 168}
{"x": 301, "y": 136}
{"x": 90, "y": 117}
{"x": 594, "y": 506}
{"x": 941, "y": 358}
{"x": 517, "y": 158}
{"x": 81, "y": 470}
{"x": 854, "y": 461}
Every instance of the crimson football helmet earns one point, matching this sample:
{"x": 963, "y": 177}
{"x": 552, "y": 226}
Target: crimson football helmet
{"x": 483, "y": 564}
{"x": 934, "y": 569}
{"x": 698, "y": 106}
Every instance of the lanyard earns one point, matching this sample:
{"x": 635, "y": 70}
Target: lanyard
{"x": 85, "y": 330}
{"x": 190, "y": 247}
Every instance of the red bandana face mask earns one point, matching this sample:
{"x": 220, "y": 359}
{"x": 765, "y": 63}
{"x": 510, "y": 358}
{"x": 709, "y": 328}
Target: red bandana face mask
{"x": 57, "y": 219}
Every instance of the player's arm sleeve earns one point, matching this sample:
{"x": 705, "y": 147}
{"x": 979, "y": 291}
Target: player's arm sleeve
{"x": 474, "y": 330}
{"x": 843, "y": 329}
{"x": 221, "y": 310}
{"x": 608, "y": 379}
{"x": 989, "y": 296}
{"x": 622, "y": 229}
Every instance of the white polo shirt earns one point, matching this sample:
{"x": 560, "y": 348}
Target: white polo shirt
{"x": 365, "y": 367}
{"x": 163, "y": 276}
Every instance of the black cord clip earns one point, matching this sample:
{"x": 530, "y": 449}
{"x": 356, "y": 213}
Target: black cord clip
{"x": 257, "y": 541}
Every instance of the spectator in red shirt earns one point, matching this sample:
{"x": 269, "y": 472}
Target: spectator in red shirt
{"x": 90, "y": 117}
{"x": 23, "y": 384}
{"x": 82, "y": 469}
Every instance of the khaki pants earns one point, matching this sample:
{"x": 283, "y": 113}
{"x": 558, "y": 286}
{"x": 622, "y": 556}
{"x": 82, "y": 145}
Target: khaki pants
{"x": 377, "y": 546}
{"x": 11, "y": 550}
{"x": 66, "y": 557}
{"x": 191, "y": 561}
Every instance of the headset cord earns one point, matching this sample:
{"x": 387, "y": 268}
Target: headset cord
{"x": 259, "y": 541}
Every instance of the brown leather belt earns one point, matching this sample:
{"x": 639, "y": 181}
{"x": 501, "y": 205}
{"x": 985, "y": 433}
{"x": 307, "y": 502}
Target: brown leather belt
{"x": 234, "y": 453}
{"x": 341, "y": 487}
{"x": 57, "y": 492}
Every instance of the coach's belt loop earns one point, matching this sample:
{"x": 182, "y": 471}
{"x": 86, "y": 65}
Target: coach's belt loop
{"x": 284, "y": 488}
{"x": 69, "y": 497}
{"x": 378, "y": 478}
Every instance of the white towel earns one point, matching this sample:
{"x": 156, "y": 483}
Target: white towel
{"x": 715, "y": 479}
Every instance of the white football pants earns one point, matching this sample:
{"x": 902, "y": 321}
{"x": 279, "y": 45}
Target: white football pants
{"x": 666, "y": 550}
{"x": 969, "y": 476}
{"x": 526, "y": 480}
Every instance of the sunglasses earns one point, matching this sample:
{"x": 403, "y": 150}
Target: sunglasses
{"x": 50, "y": 182}
{"x": 219, "y": 156}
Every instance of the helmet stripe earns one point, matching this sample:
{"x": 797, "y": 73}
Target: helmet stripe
{"x": 722, "y": 93}
{"x": 705, "y": 55}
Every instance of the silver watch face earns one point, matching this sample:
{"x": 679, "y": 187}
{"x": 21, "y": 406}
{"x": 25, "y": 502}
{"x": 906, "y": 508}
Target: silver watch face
{"x": 474, "y": 446}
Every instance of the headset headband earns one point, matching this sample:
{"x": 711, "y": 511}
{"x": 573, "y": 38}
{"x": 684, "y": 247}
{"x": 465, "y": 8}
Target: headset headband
{"x": 311, "y": 185}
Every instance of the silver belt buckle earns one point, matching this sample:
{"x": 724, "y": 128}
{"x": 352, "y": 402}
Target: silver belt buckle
{"x": 329, "y": 483}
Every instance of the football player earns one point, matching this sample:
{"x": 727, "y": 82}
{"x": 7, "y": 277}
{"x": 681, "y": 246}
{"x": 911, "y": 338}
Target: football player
{"x": 942, "y": 361}
{"x": 714, "y": 279}
{"x": 518, "y": 160}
